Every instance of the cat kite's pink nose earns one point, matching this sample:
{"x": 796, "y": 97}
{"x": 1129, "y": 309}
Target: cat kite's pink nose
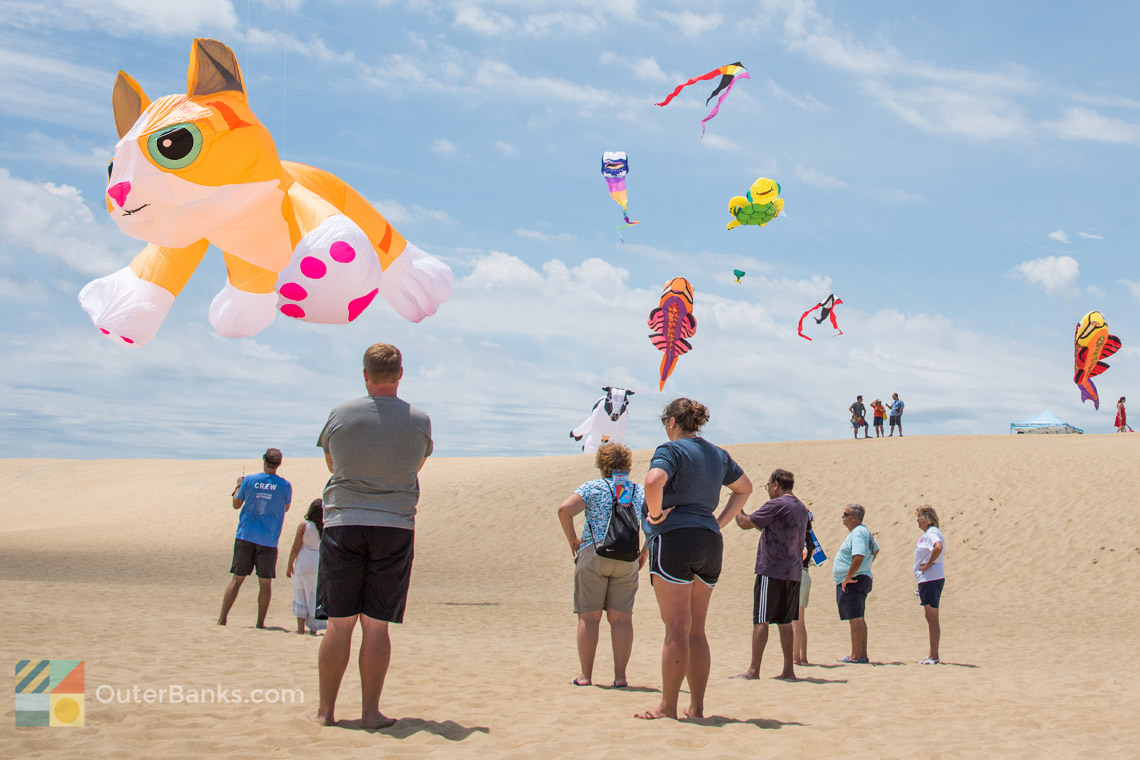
{"x": 119, "y": 192}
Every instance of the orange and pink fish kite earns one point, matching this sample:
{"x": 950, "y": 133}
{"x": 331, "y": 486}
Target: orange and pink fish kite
{"x": 673, "y": 322}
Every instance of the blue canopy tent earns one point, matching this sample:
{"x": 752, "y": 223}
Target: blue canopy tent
{"x": 1045, "y": 422}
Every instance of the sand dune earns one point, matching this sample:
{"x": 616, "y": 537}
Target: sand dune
{"x": 123, "y": 564}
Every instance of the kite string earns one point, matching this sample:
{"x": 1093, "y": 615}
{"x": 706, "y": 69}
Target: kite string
{"x": 860, "y": 264}
{"x": 285, "y": 84}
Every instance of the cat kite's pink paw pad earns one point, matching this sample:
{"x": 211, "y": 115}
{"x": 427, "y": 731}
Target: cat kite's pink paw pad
{"x": 334, "y": 274}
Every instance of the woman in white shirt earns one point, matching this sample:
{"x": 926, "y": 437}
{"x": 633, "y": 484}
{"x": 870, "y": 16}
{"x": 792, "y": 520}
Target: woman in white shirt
{"x": 929, "y": 573}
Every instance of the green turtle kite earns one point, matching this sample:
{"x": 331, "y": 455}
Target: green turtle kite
{"x": 761, "y": 206}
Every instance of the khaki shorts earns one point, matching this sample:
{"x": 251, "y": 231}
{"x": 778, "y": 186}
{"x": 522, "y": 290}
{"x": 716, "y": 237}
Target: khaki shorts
{"x": 603, "y": 584}
{"x": 805, "y": 589}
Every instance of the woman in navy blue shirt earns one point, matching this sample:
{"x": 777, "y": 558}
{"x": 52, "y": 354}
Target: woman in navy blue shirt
{"x": 682, "y": 492}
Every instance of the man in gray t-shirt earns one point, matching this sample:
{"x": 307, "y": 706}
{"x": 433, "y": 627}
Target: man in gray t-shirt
{"x": 374, "y": 447}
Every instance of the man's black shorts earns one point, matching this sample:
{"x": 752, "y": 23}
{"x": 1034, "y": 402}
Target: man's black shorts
{"x": 930, "y": 592}
{"x": 247, "y": 555}
{"x": 364, "y": 570}
{"x": 686, "y": 553}
{"x": 852, "y": 603}
{"x": 775, "y": 601}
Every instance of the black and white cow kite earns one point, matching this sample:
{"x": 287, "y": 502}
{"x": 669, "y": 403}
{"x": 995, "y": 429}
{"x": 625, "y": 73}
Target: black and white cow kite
{"x": 607, "y": 421}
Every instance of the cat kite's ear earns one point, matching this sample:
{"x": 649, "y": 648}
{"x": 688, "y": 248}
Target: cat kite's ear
{"x": 128, "y": 102}
{"x": 213, "y": 68}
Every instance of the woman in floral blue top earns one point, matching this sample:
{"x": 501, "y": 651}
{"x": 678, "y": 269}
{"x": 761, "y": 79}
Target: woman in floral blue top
{"x": 602, "y": 584}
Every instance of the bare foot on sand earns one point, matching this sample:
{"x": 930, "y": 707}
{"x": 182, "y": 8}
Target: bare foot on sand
{"x": 655, "y": 714}
{"x": 786, "y": 677}
{"x": 379, "y": 720}
{"x": 748, "y": 675}
{"x": 692, "y": 713}
{"x": 324, "y": 720}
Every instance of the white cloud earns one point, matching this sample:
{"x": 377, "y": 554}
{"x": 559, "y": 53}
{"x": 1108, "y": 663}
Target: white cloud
{"x": 563, "y": 22}
{"x": 44, "y": 219}
{"x": 1133, "y": 287}
{"x": 505, "y": 148}
{"x": 804, "y": 102}
{"x": 54, "y": 151}
{"x": 539, "y": 19}
{"x": 78, "y": 94}
{"x": 399, "y": 214}
{"x": 815, "y": 177}
{"x": 720, "y": 142}
{"x": 13, "y": 290}
{"x": 1087, "y": 124}
{"x": 1094, "y": 292}
{"x": 648, "y": 70}
{"x": 981, "y": 105}
{"x": 499, "y": 76}
{"x": 552, "y": 334}
{"x": 1059, "y": 235}
{"x": 315, "y": 48}
{"x": 476, "y": 19}
{"x": 524, "y": 312}
{"x": 537, "y": 235}
{"x": 895, "y": 195}
{"x": 691, "y": 24}
{"x": 948, "y": 111}
{"x": 443, "y": 147}
{"x": 124, "y": 17}
{"x": 1090, "y": 236}
{"x": 1055, "y": 274}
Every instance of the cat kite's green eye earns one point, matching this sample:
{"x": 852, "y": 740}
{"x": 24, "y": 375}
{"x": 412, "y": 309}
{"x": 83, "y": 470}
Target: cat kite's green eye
{"x": 176, "y": 146}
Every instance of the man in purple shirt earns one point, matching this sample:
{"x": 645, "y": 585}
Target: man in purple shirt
{"x": 783, "y": 521}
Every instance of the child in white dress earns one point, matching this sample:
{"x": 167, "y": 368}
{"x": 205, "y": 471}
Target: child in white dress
{"x": 304, "y": 560}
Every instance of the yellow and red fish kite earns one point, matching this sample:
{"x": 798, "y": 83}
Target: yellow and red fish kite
{"x": 728, "y": 76}
{"x": 673, "y": 321}
{"x": 1091, "y": 345}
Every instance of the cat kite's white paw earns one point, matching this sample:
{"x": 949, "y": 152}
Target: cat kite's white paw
{"x": 237, "y": 314}
{"x": 416, "y": 283}
{"x": 125, "y": 308}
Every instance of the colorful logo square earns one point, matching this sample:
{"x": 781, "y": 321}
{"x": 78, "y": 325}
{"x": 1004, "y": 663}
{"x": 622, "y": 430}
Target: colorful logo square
{"x": 50, "y": 693}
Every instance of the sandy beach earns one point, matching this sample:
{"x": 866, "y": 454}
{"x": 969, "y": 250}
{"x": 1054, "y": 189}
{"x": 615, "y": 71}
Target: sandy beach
{"x": 122, "y": 564}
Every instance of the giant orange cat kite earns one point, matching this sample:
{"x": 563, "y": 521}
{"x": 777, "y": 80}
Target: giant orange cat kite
{"x": 673, "y": 322}
{"x": 1091, "y": 345}
{"x": 195, "y": 169}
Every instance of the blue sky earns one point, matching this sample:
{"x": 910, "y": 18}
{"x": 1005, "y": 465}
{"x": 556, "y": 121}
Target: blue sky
{"x": 962, "y": 175}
